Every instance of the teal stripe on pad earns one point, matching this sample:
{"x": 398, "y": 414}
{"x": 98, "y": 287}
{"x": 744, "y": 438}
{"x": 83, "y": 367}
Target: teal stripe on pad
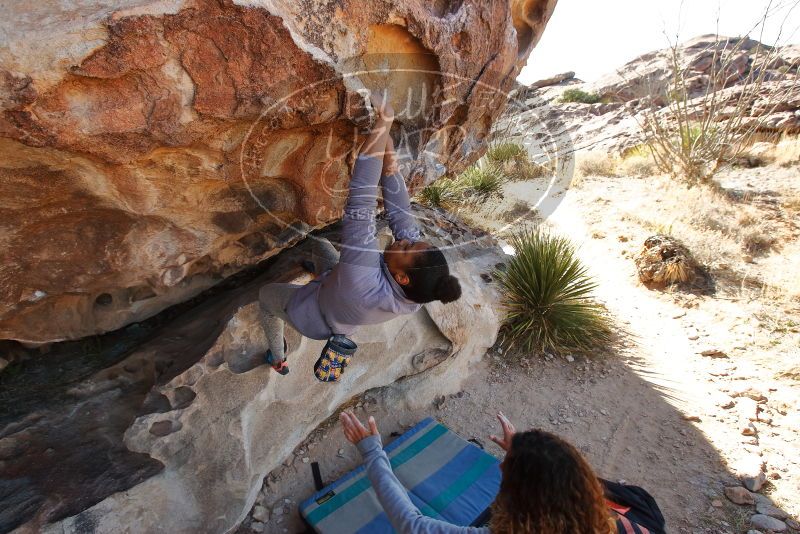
{"x": 415, "y": 448}
{"x": 466, "y": 479}
{"x": 338, "y": 500}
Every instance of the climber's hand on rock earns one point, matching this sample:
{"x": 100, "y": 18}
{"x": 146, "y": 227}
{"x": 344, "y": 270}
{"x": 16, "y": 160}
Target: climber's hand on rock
{"x": 354, "y": 431}
{"x": 508, "y": 432}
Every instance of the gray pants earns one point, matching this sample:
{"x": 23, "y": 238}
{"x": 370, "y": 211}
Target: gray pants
{"x": 273, "y": 298}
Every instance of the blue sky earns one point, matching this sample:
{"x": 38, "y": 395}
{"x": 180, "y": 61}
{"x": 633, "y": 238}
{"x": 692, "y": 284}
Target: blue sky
{"x": 594, "y": 37}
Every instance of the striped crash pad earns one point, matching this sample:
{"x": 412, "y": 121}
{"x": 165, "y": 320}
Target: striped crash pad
{"x": 446, "y": 477}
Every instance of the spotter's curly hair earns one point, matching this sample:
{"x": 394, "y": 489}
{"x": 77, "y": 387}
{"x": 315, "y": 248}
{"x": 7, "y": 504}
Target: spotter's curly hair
{"x": 548, "y": 487}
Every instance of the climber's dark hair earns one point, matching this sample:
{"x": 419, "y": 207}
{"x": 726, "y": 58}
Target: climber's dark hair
{"x": 430, "y": 278}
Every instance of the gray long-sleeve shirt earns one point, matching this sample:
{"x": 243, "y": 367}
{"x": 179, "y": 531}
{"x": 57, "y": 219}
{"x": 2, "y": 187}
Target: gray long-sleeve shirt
{"x": 404, "y": 516}
{"x": 359, "y": 290}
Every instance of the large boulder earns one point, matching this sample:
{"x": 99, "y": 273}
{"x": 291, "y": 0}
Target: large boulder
{"x": 151, "y": 148}
{"x": 178, "y": 434}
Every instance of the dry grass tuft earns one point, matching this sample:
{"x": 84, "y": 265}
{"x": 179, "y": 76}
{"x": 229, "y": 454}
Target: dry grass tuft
{"x": 758, "y": 240}
{"x": 596, "y": 164}
{"x": 787, "y": 152}
{"x": 515, "y": 162}
{"x": 482, "y": 180}
{"x": 505, "y": 152}
{"x": 792, "y": 203}
{"x": 639, "y": 166}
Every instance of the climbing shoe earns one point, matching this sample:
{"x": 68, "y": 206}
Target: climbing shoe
{"x": 334, "y": 359}
{"x": 281, "y": 367}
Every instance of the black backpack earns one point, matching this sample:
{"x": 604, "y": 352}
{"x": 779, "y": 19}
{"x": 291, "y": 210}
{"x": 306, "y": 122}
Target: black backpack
{"x": 643, "y": 515}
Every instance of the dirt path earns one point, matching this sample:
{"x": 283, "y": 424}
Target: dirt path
{"x": 752, "y": 387}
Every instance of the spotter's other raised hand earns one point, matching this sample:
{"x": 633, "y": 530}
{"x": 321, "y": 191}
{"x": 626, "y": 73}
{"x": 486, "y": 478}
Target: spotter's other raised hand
{"x": 354, "y": 430}
{"x": 508, "y": 432}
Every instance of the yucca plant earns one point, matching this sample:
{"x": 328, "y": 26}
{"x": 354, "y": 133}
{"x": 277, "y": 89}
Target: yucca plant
{"x": 482, "y": 180}
{"x": 505, "y": 152}
{"x": 547, "y": 297}
{"x": 440, "y": 194}
{"x": 513, "y": 160}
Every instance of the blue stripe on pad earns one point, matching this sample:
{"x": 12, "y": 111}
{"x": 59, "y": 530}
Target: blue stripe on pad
{"x": 409, "y": 434}
{"x": 468, "y": 506}
{"x": 379, "y": 525}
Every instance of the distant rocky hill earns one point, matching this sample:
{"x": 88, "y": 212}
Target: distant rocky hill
{"x": 611, "y": 123}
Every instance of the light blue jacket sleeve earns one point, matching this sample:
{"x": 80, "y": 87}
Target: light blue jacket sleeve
{"x": 404, "y": 516}
{"x": 398, "y": 208}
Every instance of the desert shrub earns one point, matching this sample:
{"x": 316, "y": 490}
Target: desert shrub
{"x": 518, "y": 210}
{"x": 638, "y": 165}
{"x": 596, "y": 164}
{"x": 515, "y": 163}
{"x": 441, "y": 194}
{"x": 758, "y": 240}
{"x": 547, "y": 297}
{"x": 529, "y": 170}
{"x": 506, "y": 152}
{"x": 580, "y": 96}
{"x": 792, "y": 202}
{"x": 637, "y": 150}
{"x": 694, "y": 136}
{"x": 475, "y": 183}
{"x": 482, "y": 180}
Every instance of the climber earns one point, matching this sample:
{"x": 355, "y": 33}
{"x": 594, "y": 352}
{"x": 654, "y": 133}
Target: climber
{"x": 360, "y": 286}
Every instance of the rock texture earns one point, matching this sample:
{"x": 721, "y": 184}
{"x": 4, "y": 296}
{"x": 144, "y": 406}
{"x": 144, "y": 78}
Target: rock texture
{"x": 150, "y": 149}
{"x": 613, "y": 124}
{"x": 178, "y": 434}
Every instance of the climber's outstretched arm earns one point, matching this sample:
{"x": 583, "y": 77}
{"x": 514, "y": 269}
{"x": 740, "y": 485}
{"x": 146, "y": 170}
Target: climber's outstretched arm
{"x": 395, "y": 198}
{"x": 376, "y": 143}
{"x": 359, "y": 234}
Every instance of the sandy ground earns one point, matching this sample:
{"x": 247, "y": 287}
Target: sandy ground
{"x": 652, "y": 411}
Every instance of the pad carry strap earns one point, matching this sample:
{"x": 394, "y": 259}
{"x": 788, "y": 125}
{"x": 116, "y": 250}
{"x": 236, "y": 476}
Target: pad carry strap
{"x": 317, "y": 476}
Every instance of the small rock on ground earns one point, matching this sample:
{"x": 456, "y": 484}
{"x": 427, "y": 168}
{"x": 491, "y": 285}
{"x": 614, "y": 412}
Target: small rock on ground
{"x": 260, "y": 513}
{"x": 765, "y": 522}
{"x": 739, "y": 495}
{"x": 754, "y": 483}
{"x": 770, "y": 510}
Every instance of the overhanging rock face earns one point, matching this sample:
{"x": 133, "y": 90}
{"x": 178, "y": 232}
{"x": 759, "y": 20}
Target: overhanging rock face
{"x": 150, "y": 149}
{"x": 178, "y": 436}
